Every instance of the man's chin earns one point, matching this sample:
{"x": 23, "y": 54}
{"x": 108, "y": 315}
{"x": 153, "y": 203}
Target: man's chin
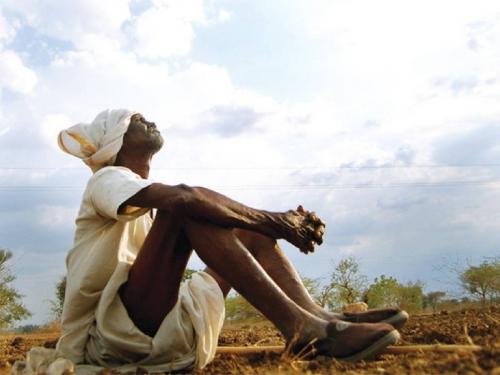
{"x": 156, "y": 145}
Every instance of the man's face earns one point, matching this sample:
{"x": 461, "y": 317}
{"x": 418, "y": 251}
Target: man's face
{"x": 143, "y": 135}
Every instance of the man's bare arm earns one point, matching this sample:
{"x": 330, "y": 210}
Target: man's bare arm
{"x": 299, "y": 227}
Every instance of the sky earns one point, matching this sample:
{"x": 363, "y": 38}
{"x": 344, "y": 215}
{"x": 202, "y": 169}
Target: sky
{"x": 381, "y": 116}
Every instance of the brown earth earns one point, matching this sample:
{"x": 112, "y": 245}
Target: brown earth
{"x": 480, "y": 327}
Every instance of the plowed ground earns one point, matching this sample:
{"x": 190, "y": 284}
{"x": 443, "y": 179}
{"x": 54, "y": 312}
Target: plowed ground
{"x": 480, "y": 327}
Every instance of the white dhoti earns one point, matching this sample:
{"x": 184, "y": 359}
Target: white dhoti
{"x": 187, "y": 337}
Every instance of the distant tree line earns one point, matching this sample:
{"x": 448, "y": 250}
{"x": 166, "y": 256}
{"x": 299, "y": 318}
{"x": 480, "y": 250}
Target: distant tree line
{"x": 345, "y": 285}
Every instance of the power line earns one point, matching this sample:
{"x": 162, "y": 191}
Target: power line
{"x": 340, "y": 167}
{"x": 442, "y": 184}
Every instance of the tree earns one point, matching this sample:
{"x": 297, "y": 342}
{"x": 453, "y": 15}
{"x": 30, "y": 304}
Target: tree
{"x": 347, "y": 281}
{"x": 57, "y": 305}
{"x": 345, "y": 286}
{"x": 326, "y": 297}
{"x": 238, "y": 308}
{"x": 388, "y": 292}
{"x": 312, "y": 285}
{"x": 323, "y": 295}
{"x": 482, "y": 281}
{"x": 411, "y": 297}
{"x": 11, "y": 307}
{"x": 27, "y": 328}
{"x": 384, "y": 292}
{"x": 432, "y": 299}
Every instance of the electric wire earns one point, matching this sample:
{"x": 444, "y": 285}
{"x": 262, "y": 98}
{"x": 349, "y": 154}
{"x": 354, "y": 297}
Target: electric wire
{"x": 395, "y": 185}
{"x": 338, "y": 167}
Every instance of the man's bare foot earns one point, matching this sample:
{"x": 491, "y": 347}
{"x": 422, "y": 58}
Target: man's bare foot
{"x": 348, "y": 341}
{"x": 302, "y": 228}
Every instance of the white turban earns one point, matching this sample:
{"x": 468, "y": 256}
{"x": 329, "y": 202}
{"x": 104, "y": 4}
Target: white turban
{"x": 97, "y": 143}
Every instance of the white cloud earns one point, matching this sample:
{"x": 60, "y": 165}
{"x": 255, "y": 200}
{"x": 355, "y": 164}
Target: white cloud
{"x": 165, "y": 30}
{"x": 392, "y": 18}
{"x": 7, "y": 30}
{"x": 72, "y": 20}
{"x": 120, "y": 80}
{"x": 385, "y": 56}
{"x": 159, "y": 32}
{"x": 51, "y": 125}
{"x": 100, "y": 49}
{"x": 223, "y": 15}
{"x": 14, "y": 75}
{"x": 189, "y": 10}
{"x": 56, "y": 216}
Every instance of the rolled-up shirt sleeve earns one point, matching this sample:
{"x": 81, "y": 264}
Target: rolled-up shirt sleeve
{"x": 110, "y": 187}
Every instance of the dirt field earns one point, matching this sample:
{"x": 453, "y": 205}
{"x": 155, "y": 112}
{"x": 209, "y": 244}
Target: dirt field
{"x": 480, "y": 327}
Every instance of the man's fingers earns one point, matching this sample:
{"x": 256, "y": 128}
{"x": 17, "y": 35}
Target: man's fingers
{"x": 313, "y": 217}
{"x": 310, "y": 246}
{"x": 314, "y": 229}
{"x": 317, "y": 227}
{"x": 307, "y": 247}
{"x": 318, "y": 234}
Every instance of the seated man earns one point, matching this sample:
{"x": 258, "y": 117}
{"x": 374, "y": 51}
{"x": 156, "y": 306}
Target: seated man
{"x": 125, "y": 305}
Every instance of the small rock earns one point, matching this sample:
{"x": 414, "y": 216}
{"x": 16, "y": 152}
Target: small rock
{"x": 355, "y": 307}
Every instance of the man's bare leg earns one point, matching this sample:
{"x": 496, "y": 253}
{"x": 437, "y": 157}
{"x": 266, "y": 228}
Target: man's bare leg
{"x": 268, "y": 253}
{"x": 162, "y": 261}
{"x": 226, "y": 255}
{"x": 240, "y": 269}
{"x": 154, "y": 279}
{"x": 148, "y": 297}
{"x": 270, "y": 256}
